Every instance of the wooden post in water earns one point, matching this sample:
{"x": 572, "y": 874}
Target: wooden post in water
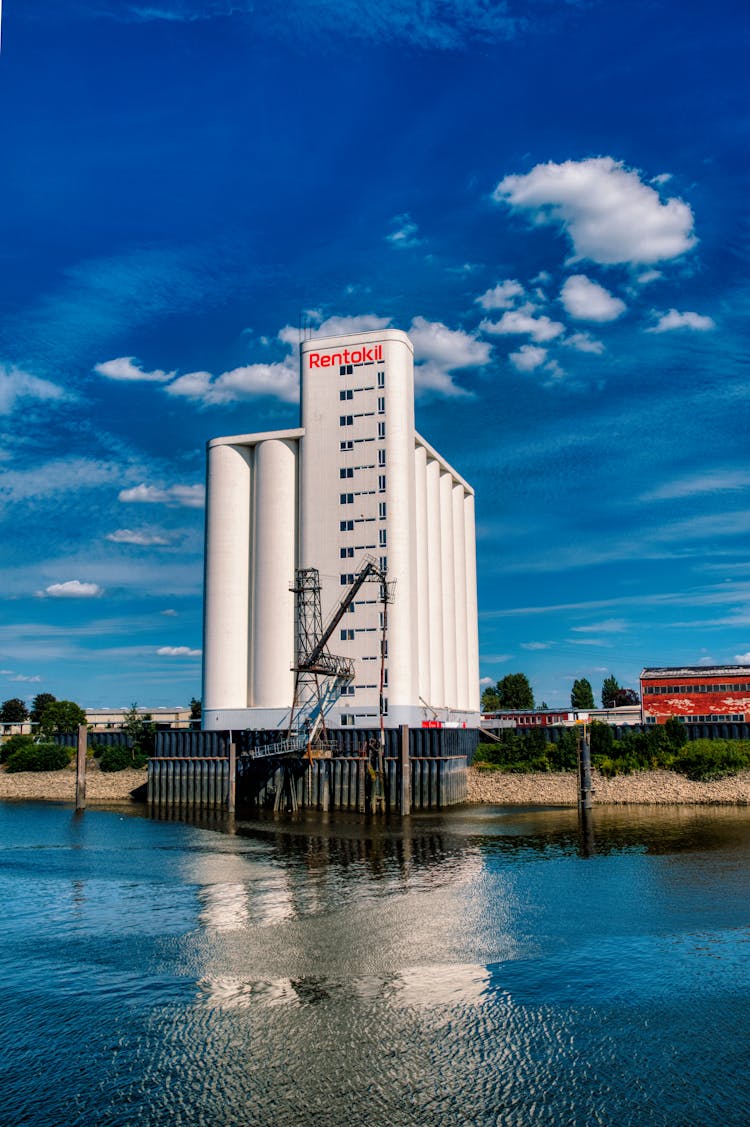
{"x": 232, "y": 788}
{"x": 83, "y": 744}
{"x": 584, "y": 767}
{"x": 405, "y": 796}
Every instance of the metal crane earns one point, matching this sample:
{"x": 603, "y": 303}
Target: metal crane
{"x": 320, "y": 677}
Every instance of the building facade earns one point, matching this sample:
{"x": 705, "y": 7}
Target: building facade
{"x": 353, "y": 481}
{"x": 698, "y": 694}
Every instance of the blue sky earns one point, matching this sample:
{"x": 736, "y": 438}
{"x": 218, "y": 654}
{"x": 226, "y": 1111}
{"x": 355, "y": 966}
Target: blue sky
{"x": 550, "y": 197}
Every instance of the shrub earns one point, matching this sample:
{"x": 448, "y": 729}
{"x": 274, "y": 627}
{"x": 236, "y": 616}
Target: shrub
{"x": 40, "y": 757}
{"x": 12, "y": 744}
{"x": 704, "y": 760}
{"x": 120, "y": 759}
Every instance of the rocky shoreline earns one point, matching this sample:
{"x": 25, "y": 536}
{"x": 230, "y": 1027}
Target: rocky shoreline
{"x": 489, "y": 788}
{"x": 645, "y": 788}
{"x": 102, "y": 787}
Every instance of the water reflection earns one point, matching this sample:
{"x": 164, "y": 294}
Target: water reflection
{"x": 485, "y": 965}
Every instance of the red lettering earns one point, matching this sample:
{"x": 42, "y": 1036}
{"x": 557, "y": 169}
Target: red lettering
{"x": 325, "y": 361}
{"x": 314, "y": 359}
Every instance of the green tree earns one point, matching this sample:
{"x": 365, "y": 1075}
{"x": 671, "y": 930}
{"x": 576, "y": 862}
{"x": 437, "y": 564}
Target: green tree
{"x": 582, "y": 695}
{"x": 514, "y": 691}
{"x": 610, "y": 689}
{"x": 490, "y": 699}
{"x": 60, "y": 716}
{"x": 38, "y": 705}
{"x": 195, "y": 713}
{"x": 140, "y": 728}
{"x": 13, "y": 711}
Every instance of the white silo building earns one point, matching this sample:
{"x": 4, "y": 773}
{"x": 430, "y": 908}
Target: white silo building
{"x": 354, "y": 480}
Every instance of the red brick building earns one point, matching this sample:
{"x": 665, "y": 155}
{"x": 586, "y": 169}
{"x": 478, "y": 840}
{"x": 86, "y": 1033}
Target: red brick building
{"x": 696, "y": 694}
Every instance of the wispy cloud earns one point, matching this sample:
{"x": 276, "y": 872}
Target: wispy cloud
{"x": 18, "y": 387}
{"x": 609, "y": 213}
{"x": 404, "y": 233}
{"x": 143, "y": 538}
{"x": 608, "y": 626}
{"x": 177, "y": 651}
{"x": 190, "y": 496}
{"x": 712, "y": 481}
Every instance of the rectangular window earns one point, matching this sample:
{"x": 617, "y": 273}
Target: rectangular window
{"x": 347, "y": 635}
{"x": 381, "y": 457}
{"x": 381, "y": 509}
{"x": 346, "y": 526}
{"x": 346, "y": 420}
{"x": 382, "y": 537}
{"x": 381, "y": 483}
{"x": 346, "y": 471}
{"x": 346, "y": 498}
{"x": 346, "y": 553}
{"x": 381, "y": 430}
{"x": 345, "y": 579}
{"x": 350, "y": 608}
{"x": 383, "y": 563}
{"x": 346, "y": 445}
{"x": 348, "y": 394}
{"x": 345, "y": 370}
{"x": 385, "y": 678}
{"x": 381, "y": 379}
{"x": 384, "y": 703}
{"x": 381, "y": 404}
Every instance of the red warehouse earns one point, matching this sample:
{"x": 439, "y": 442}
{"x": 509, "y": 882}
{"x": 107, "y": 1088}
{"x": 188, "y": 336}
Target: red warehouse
{"x": 696, "y": 694}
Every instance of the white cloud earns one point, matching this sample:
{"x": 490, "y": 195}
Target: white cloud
{"x": 485, "y": 682}
{"x": 16, "y": 386}
{"x": 583, "y": 342}
{"x": 404, "y": 233}
{"x": 127, "y": 368}
{"x": 521, "y": 322}
{"x": 169, "y": 613}
{"x": 143, "y": 538}
{"x": 178, "y": 651}
{"x": 528, "y": 357}
{"x": 189, "y": 496}
{"x": 280, "y": 380}
{"x": 28, "y": 680}
{"x": 674, "y": 320}
{"x": 439, "y": 351}
{"x": 648, "y": 276}
{"x": 502, "y": 296}
{"x": 72, "y": 589}
{"x": 588, "y": 301}
{"x": 61, "y": 475}
{"x": 536, "y": 645}
{"x": 609, "y": 213}
{"x": 362, "y": 323}
{"x": 742, "y": 659}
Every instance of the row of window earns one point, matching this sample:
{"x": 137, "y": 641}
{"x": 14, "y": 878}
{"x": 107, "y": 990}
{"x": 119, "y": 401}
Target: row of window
{"x": 348, "y": 720}
{"x": 655, "y": 690}
{"x": 348, "y": 525}
{"x": 348, "y": 471}
{"x": 348, "y": 421}
{"x": 712, "y": 718}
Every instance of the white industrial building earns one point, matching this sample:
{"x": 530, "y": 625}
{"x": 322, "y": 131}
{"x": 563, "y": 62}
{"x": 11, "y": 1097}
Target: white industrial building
{"x": 355, "y": 480}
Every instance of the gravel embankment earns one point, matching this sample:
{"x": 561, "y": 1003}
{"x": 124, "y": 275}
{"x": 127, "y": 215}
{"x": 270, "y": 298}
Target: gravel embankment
{"x": 60, "y": 786}
{"x": 658, "y": 788}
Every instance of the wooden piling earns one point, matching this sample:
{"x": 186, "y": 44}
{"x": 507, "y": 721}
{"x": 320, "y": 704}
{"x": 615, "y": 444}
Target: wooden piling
{"x": 405, "y": 774}
{"x": 83, "y": 744}
{"x": 232, "y": 788}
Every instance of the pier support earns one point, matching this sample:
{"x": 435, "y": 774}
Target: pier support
{"x": 81, "y": 767}
{"x": 405, "y": 793}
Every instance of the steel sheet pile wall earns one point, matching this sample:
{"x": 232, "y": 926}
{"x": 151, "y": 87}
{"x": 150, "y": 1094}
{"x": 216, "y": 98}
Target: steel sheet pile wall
{"x": 192, "y": 769}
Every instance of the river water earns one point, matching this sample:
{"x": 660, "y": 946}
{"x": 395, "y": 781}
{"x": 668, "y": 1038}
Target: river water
{"x": 484, "y": 966}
